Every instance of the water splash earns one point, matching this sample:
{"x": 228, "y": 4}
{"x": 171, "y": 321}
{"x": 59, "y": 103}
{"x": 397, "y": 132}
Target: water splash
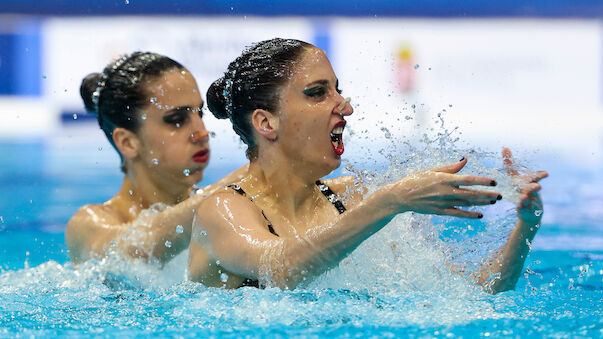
{"x": 414, "y": 253}
{"x": 397, "y": 280}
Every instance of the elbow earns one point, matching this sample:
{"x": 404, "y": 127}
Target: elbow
{"x": 498, "y": 283}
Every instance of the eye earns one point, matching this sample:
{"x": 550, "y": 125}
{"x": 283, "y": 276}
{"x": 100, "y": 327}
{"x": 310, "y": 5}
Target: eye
{"x": 315, "y": 92}
{"x": 177, "y": 118}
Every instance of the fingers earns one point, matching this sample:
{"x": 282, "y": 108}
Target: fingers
{"x": 466, "y": 203}
{"x": 529, "y": 194}
{"x": 452, "y": 168}
{"x": 529, "y": 189}
{"x": 455, "y": 212}
{"x": 536, "y": 176}
{"x": 509, "y": 165}
{"x": 471, "y": 180}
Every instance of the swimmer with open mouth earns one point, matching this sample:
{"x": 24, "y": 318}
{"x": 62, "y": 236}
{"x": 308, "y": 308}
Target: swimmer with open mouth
{"x": 281, "y": 225}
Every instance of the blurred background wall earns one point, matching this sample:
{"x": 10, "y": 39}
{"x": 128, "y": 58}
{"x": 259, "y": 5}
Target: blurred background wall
{"x": 526, "y": 74}
{"x": 520, "y": 73}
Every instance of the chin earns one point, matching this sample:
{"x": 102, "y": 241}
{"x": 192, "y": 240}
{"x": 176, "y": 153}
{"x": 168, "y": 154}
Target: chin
{"x": 195, "y": 177}
{"x": 331, "y": 165}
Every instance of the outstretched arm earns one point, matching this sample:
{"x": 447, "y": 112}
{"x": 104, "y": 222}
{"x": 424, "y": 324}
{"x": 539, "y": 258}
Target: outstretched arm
{"x": 502, "y": 272}
{"x": 234, "y": 234}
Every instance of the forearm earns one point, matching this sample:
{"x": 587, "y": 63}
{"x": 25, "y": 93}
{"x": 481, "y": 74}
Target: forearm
{"x": 170, "y": 229}
{"x": 323, "y": 247}
{"x": 507, "y": 265}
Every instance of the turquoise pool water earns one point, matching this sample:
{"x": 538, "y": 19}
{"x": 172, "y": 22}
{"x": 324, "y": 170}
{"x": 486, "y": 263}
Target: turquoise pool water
{"x": 41, "y": 294}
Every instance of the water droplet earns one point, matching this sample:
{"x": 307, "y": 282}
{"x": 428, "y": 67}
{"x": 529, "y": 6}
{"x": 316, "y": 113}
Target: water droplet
{"x": 538, "y": 213}
{"x": 168, "y": 244}
{"x": 131, "y": 192}
{"x": 74, "y": 116}
{"x": 212, "y": 134}
{"x": 413, "y": 106}
{"x": 387, "y": 133}
{"x": 143, "y": 117}
{"x": 100, "y": 148}
{"x": 155, "y": 161}
{"x": 203, "y": 233}
{"x": 416, "y": 66}
{"x": 223, "y": 277}
{"x": 43, "y": 77}
{"x": 179, "y": 229}
{"x": 186, "y": 172}
{"x": 127, "y": 2}
{"x": 217, "y": 262}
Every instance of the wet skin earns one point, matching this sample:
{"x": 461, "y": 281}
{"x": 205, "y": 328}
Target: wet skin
{"x": 157, "y": 156}
{"x": 231, "y": 240}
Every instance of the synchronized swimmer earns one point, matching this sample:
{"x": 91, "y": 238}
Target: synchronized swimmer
{"x": 280, "y": 225}
{"x": 149, "y": 107}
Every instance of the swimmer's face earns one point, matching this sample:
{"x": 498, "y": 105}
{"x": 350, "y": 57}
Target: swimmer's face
{"x": 310, "y": 121}
{"x": 175, "y": 143}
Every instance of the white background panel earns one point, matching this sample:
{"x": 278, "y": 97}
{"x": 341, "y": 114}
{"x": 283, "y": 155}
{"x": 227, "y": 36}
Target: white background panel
{"x": 523, "y": 83}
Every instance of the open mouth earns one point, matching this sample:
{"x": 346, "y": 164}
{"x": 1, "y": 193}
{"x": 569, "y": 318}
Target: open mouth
{"x": 337, "y": 138}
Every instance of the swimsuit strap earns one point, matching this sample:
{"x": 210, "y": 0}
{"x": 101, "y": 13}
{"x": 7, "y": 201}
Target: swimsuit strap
{"x": 331, "y": 196}
{"x": 326, "y": 190}
{"x": 239, "y": 190}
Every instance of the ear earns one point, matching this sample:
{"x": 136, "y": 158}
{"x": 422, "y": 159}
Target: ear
{"x": 127, "y": 142}
{"x": 265, "y": 123}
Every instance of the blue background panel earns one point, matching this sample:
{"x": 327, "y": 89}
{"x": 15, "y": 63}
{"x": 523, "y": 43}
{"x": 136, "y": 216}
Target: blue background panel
{"x": 20, "y": 60}
{"x": 446, "y": 8}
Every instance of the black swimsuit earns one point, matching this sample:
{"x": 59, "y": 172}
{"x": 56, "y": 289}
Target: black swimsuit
{"x": 322, "y": 187}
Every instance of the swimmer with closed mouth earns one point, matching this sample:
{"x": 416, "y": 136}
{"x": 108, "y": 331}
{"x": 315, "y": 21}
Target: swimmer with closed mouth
{"x": 281, "y": 225}
{"x": 150, "y": 109}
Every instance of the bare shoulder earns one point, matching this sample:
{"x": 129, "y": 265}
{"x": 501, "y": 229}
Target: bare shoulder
{"x": 85, "y": 226}
{"x": 227, "y": 204}
{"x": 350, "y": 191}
{"x": 92, "y": 215}
{"x": 340, "y": 184}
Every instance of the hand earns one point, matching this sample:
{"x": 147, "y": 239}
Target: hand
{"x": 437, "y": 191}
{"x": 530, "y": 206}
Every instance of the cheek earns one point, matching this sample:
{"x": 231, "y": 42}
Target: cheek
{"x": 167, "y": 150}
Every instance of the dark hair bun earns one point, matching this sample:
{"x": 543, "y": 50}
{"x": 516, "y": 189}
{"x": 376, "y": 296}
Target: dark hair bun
{"x": 215, "y": 99}
{"x": 88, "y": 86}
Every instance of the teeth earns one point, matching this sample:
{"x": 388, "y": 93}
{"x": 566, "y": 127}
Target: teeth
{"x": 335, "y": 143}
{"x": 337, "y": 130}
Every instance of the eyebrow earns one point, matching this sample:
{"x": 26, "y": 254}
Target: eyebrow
{"x": 183, "y": 108}
{"x": 322, "y": 82}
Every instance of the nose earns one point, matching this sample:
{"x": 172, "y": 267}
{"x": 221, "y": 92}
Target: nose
{"x": 199, "y": 136}
{"x": 199, "y": 133}
{"x": 343, "y": 107}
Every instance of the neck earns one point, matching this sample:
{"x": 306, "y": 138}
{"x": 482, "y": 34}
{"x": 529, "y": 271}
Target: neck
{"x": 279, "y": 179}
{"x": 141, "y": 191}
